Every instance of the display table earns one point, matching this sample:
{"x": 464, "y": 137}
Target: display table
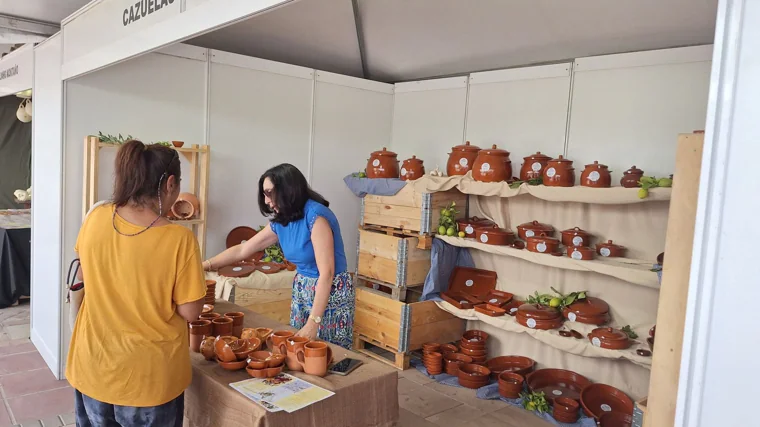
{"x": 15, "y": 255}
{"x": 366, "y": 397}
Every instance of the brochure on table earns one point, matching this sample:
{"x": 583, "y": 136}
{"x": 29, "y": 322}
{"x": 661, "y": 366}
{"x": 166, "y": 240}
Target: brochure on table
{"x": 281, "y": 393}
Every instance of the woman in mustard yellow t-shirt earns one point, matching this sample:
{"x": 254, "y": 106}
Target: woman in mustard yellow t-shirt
{"x": 129, "y": 360}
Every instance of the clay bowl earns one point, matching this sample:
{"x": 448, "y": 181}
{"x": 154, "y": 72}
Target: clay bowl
{"x": 448, "y": 348}
{"x": 264, "y": 373}
{"x": 615, "y": 419}
{"x": 433, "y": 357}
{"x": 473, "y": 353}
{"x": 510, "y": 384}
{"x": 517, "y": 364}
{"x": 475, "y": 335}
{"x": 207, "y": 348}
{"x": 597, "y": 399}
{"x": 233, "y": 366}
{"x": 472, "y": 345}
{"x": 557, "y": 383}
{"x": 471, "y": 375}
{"x": 566, "y": 409}
{"x": 223, "y": 350}
{"x": 242, "y": 348}
{"x": 270, "y": 360}
{"x": 430, "y": 347}
{"x": 207, "y": 308}
{"x": 178, "y": 144}
{"x": 453, "y": 360}
{"x": 580, "y": 253}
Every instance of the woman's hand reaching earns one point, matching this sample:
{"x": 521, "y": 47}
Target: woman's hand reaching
{"x": 309, "y": 330}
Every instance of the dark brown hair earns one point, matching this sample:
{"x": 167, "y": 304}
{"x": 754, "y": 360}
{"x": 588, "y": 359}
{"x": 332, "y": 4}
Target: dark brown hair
{"x": 139, "y": 168}
{"x": 291, "y": 191}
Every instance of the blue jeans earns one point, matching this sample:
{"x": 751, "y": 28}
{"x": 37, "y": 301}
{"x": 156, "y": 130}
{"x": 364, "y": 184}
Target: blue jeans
{"x": 92, "y": 413}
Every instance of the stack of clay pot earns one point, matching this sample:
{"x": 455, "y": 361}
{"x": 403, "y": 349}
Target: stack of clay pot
{"x": 210, "y": 292}
{"x": 432, "y": 358}
{"x": 566, "y": 410}
{"x": 510, "y": 384}
{"x": 231, "y": 352}
{"x": 264, "y": 364}
{"x": 474, "y": 376}
{"x": 452, "y": 361}
{"x": 473, "y": 344}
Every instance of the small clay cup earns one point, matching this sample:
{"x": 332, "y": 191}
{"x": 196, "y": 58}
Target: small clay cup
{"x": 237, "y": 322}
{"x": 222, "y": 326}
{"x": 510, "y": 384}
{"x": 317, "y": 356}
{"x": 276, "y": 341}
{"x": 293, "y": 345}
{"x": 209, "y": 316}
{"x": 198, "y": 330}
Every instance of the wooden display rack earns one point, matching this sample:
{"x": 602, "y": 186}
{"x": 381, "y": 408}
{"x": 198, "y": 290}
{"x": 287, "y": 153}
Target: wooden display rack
{"x": 199, "y": 157}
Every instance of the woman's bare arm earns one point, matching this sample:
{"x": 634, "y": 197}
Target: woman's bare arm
{"x": 262, "y": 240}
{"x": 191, "y": 311}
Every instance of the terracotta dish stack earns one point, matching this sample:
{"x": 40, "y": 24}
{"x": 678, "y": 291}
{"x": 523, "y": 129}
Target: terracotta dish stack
{"x": 210, "y": 292}
{"x": 555, "y": 383}
{"x": 473, "y": 344}
{"x": 471, "y": 375}
{"x": 516, "y": 364}
{"x": 599, "y": 399}
{"x": 566, "y": 410}
{"x": 469, "y": 287}
{"x": 452, "y": 361}
{"x": 231, "y": 352}
{"x": 591, "y": 310}
{"x": 537, "y": 316}
{"x": 510, "y": 384}
{"x": 432, "y": 358}
{"x": 263, "y": 364}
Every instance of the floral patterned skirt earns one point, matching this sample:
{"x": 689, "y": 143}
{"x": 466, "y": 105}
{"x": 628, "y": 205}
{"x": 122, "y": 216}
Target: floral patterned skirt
{"x": 337, "y": 324}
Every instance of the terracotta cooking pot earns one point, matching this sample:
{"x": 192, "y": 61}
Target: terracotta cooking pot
{"x": 383, "y": 164}
{"x": 631, "y": 177}
{"x": 412, "y": 169}
{"x": 461, "y": 159}
{"x": 494, "y": 236}
{"x": 575, "y": 237}
{"x": 533, "y": 166}
{"x": 542, "y": 244}
{"x": 534, "y": 228}
{"x": 559, "y": 172}
{"x": 469, "y": 225}
{"x": 609, "y": 249}
{"x": 591, "y": 310}
{"x": 187, "y": 206}
{"x": 492, "y": 165}
{"x": 579, "y": 253}
{"x": 596, "y": 175}
{"x": 609, "y": 338}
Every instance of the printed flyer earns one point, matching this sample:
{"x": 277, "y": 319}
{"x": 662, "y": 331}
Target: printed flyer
{"x": 281, "y": 393}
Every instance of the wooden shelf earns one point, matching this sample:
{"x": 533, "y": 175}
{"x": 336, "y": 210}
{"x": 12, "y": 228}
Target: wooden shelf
{"x": 186, "y": 151}
{"x": 579, "y": 347}
{"x": 630, "y": 270}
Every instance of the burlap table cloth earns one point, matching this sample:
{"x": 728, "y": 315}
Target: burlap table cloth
{"x": 366, "y": 397}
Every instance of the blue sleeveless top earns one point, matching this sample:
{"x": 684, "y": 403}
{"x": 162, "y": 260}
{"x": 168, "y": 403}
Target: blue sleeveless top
{"x": 295, "y": 240}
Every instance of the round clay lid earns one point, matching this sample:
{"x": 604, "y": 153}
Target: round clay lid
{"x": 536, "y": 226}
{"x": 384, "y": 152}
{"x": 494, "y": 151}
{"x": 537, "y": 156}
{"x": 413, "y": 160}
{"x": 542, "y": 237}
{"x": 608, "y": 244}
{"x": 561, "y": 159}
{"x": 236, "y": 270}
{"x": 538, "y": 312}
{"x": 596, "y": 165}
{"x": 575, "y": 231}
{"x": 268, "y": 267}
{"x": 589, "y": 307}
{"x": 633, "y": 171}
{"x": 496, "y": 231}
{"x": 466, "y": 147}
{"x": 239, "y": 235}
{"x": 609, "y": 334}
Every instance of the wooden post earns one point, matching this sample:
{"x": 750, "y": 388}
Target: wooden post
{"x": 666, "y": 362}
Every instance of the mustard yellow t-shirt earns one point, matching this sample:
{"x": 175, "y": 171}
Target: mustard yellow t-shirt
{"x": 129, "y": 346}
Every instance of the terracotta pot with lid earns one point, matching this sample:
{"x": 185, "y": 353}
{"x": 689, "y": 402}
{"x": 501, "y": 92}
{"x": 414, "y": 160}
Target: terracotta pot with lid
{"x": 591, "y": 311}
{"x": 609, "y": 338}
{"x": 542, "y": 244}
{"x": 494, "y": 236}
{"x": 533, "y": 166}
{"x": 534, "y": 228}
{"x": 461, "y": 159}
{"x": 631, "y": 177}
{"x": 580, "y": 253}
{"x": 470, "y": 225}
{"x": 492, "y": 165}
{"x": 596, "y": 175}
{"x": 412, "y": 169}
{"x": 383, "y": 164}
{"x": 575, "y": 237}
{"x": 559, "y": 172}
{"x": 537, "y": 316}
{"x": 610, "y": 250}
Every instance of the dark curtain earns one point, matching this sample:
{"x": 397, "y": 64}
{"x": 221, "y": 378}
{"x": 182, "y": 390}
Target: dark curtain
{"x": 15, "y": 152}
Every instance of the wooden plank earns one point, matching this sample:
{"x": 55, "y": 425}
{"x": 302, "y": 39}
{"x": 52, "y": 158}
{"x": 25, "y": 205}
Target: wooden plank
{"x": 666, "y": 362}
{"x": 417, "y": 271}
{"x": 441, "y": 332}
{"x": 392, "y": 221}
{"x": 381, "y": 329}
{"x": 93, "y": 171}
{"x": 406, "y": 197}
{"x": 400, "y": 360}
{"x": 205, "y": 167}
{"x": 377, "y": 244}
{"x": 398, "y": 211}
{"x": 375, "y": 267}
{"x": 428, "y": 312}
{"x": 384, "y": 305}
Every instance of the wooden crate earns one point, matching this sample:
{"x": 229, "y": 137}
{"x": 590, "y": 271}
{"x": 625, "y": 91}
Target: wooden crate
{"x": 400, "y": 327}
{"x": 409, "y": 211}
{"x": 391, "y": 261}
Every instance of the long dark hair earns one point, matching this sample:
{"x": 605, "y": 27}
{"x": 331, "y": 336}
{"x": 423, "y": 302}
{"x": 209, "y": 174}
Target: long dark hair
{"x": 290, "y": 193}
{"x": 139, "y": 169}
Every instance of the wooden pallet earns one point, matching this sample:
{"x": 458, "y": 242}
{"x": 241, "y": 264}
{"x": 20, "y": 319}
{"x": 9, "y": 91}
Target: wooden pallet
{"x": 400, "y": 360}
{"x": 425, "y": 240}
{"x": 398, "y": 293}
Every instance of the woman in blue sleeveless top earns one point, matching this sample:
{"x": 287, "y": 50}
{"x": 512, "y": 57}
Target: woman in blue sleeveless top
{"x": 309, "y": 234}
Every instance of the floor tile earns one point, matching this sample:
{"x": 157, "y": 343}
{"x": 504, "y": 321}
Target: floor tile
{"x": 467, "y": 396}
{"x": 51, "y": 422}
{"x": 17, "y": 331}
{"x": 422, "y": 401}
{"x": 5, "y": 419}
{"x": 410, "y": 419}
{"x": 68, "y": 418}
{"x": 455, "y": 416}
{"x": 514, "y": 416}
{"x": 30, "y": 382}
{"x": 60, "y": 401}
{"x": 415, "y": 376}
{"x": 16, "y": 346}
{"x": 488, "y": 420}
{"x": 20, "y": 363}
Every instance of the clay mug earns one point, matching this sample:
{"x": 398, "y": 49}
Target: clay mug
{"x": 293, "y": 346}
{"x": 198, "y": 330}
{"x": 276, "y": 341}
{"x": 209, "y": 316}
{"x": 237, "y": 322}
{"x": 317, "y": 356}
{"x": 222, "y": 326}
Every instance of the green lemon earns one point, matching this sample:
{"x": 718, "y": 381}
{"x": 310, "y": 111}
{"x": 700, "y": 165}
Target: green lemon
{"x": 643, "y": 193}
{"x": 555, "y": 302}
{"x": 462, "y": 234}
{"x": 665, "y": 182}
{"x": 267, "y": 259}
{"x": 530, "y": 406}
{"x": 451, "y": 231}
{"x": 441, "y": 230}
{"x": 362, "y": 175}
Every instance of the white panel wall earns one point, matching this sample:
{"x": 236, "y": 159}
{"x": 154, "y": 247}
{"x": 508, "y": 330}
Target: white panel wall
{"x": 628, "y": 109}
{"x": 428, "y": 119}
{"x": 259, "y": 116}
{"x": 522, "y": 110}
{"x": 47, "y": 168}
{"x": 352, "y": 118}
{"x": 155, "y": 97}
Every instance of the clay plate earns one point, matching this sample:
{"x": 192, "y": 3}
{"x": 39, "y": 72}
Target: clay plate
{"x": 233, "y": 366}
{"x": 498, "y": 298}
{"x": 512, "y": 307}
{"x": 269, "y": 267}
{"x": 460, "y": 300}
{"x": 236, "y": 270}
{"x": 490, "y": 310}
{"x": 557, "y": 383}
{"x": 517, "y": 364}
{"x": 598, "y": 399}
{"x": 472, "y": 281}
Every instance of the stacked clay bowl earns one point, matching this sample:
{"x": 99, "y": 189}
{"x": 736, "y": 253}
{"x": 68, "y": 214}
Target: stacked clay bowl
{"x": 473, "y": 344}
{"x": 517, "y": 364}
{"x": 432, "y": 358}
{"x": 473, "y": 376}
{"x": 598, "y": 399}
{"x": 210, "y": 292}
{"x": 227, "y": 349}
{"x": 510, "y": 385}
{"x": 555, "y": 383}
{"x": 566, "y": 410}
{"x": 264, "y": 364}
{"x": 452, "y": 361}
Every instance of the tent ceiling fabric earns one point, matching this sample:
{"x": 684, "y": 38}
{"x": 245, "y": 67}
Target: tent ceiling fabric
{"x": 52, "y": 11}
{"x": 416, "y": 39}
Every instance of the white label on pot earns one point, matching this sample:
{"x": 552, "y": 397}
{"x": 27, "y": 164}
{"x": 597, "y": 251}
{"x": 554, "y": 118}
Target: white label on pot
{"x": 576, "y": 255}
{"x": 469, "y": 282}
{"x": 484, "y": 238}
{"x": 513, "y": 309}
{"x": 266, "y": 267}
{"x": 485, "y": 167}
{"x": 541, "y": 247}
{"x": 596, "y": 342}
{"x": 577, "y": 241}
{"x": 376, "y": 162}
{"x": 594, "y": 176}
{"x": 571, "y": 317}
{"x": 605, "y": 407}
{"x": 463, "y": 302}
{"x": 605, "y": 251}
{"x": 551, "y": 172}
{"x": 237, "y": 269}
{"x": 536, "y": 166}
{"x": 493, "y": 301}
{"x": 403, "y": 171}
{"x": 243, "y": 241}
{"x": 469, "y": 229}
{"x": 529, "y": 233}
{"x": 556, "y": 392}
{"x": 531, "y": 323}
{"x": 463, "y": 162}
